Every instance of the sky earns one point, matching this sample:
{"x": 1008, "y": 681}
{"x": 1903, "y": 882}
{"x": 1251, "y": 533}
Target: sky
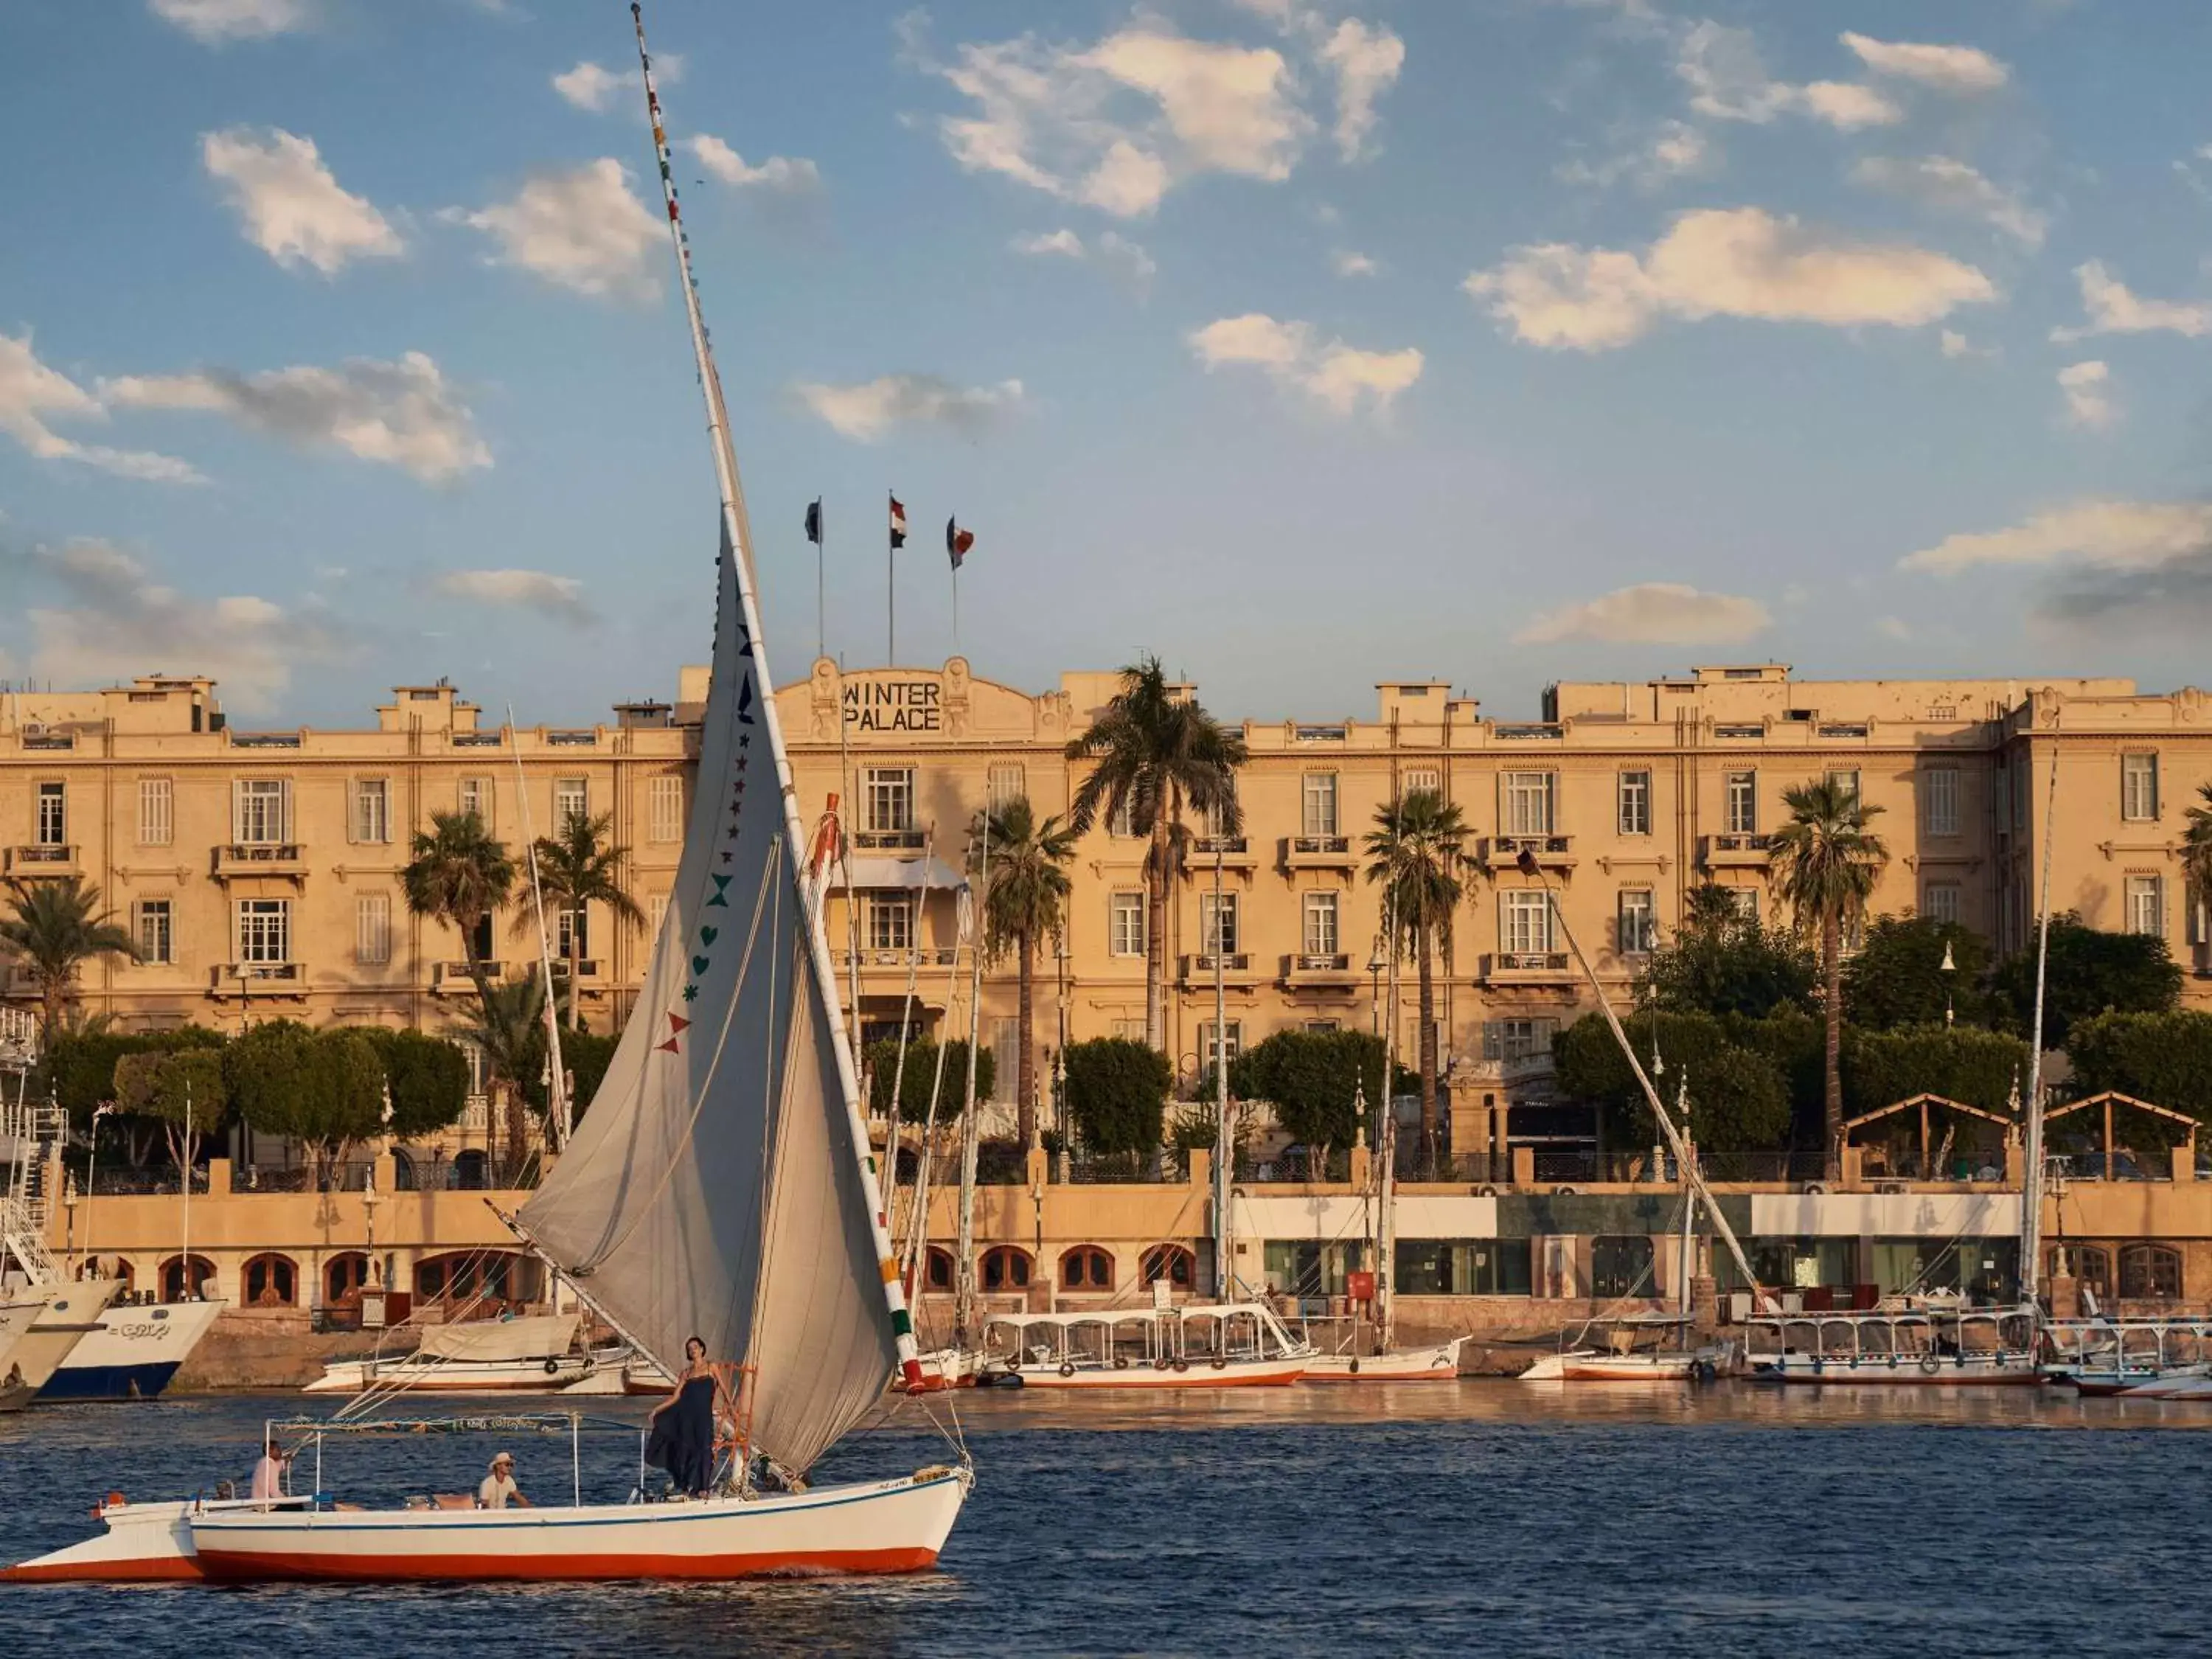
{"x": 1305, "y": 344}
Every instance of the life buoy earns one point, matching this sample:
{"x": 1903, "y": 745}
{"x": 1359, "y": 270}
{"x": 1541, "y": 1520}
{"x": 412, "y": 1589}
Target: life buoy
{"x": 1183, "y": 1364}
{"x": 1162, "y": 1363}
{"x": 552, "y": 1368}
{"x": 1013, "y": 1364}
{"x": 1067, "y": 1368}
{"x": 1121, "y": 1362}
{"x": 1353, "y": 1368}
{"x": 1892, "y": 1361}
{"x": 1220, "y": 1361}
{"x": 1930, "y": 1364}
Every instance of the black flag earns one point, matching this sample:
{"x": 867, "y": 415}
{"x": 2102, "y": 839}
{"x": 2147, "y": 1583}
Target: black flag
{"x": 814, "y": 521}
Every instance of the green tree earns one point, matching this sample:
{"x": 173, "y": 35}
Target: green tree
{"x": 184, "y": 1088}
{"x": 2196, "y": 851}
{"x": 428, "y": 1077}
{"x": 1739, "y": 1098}
{"x": 2091, "y": 972}
{"x": 507, "y": 1030}
{"x": 2164, "y": 1059}
{"x": 1723, "y": 961}
{"x": 576, "y": 869}
{"x": 1313, "y": 1078}
{"x": 1117, "y": 1093}
{"x": 460, "y": 874}
{"x": 1022, "y": 864}
{"x": 1413, "y": 853}
{"x": 1898, "y": 978}
{"x": 921, "y": 1078}
{"x": 1825, "y": 864}
{"x": 322, "y": 1088}
{"x": 1157, "y": 752}
{"x": 1977, "y": 1067}
{"x": 52, "y": 927}
{"x": 78, "y": 1069}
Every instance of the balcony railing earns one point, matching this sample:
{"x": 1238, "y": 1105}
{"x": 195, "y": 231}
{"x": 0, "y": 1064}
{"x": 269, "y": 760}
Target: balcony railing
{"x": 1553, "y": 851}
{"x": 1736, "y": 852}
{"x": 230, "y": 974}
{"x": 1536, "y": 731}
{"x": 259, "y": 858}
{"x": 882, "y": 840}
{"x": 1198, "y": 968}
{"x": 449, "y": 979}
{"x": 1322, "y": 967}
{"x": 41, "y": 860}
{"x": 924, "y": 957}
{"x": 1317, "y": 851}
{"x": 1527, "y": 967}
{"x": 49, "y": 740}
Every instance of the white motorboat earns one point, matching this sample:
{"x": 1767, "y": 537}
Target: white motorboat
{"x": 621, "y": 1370}
{"x": 135, "y": 1350}
{"x": 1194, "y": 1345}
{"x": 143, "y": 1543}
{"x": 1933, "y": 1347}
{"x": 2107, "y": 1356}
{"x": 719, "y": 1186}
{"x": 59, "y": 1316}
{"x": 1645, "y": 1347}
{"x": 533, "y": 1353}
{"x": 1390, "y": 1365}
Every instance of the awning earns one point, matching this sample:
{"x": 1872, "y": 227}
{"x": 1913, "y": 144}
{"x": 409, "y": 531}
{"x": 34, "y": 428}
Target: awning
{"x": 876, "y": 872}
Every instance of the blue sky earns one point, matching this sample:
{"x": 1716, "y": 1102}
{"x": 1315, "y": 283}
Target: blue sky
{"x": 1305, "y": 344}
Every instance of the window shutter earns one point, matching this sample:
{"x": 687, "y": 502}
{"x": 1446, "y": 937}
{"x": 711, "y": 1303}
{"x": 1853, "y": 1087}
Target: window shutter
{"x": 284, "y": 809}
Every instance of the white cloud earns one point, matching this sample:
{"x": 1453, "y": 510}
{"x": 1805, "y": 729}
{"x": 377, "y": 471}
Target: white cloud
{"x": 1652, "y": 613}
{"x": 581, "y": 230}
{"x": 1337, "y": 376}
{"x": 2112, "y": 309}
{"x": 785, "y": 175}
{"x": 213, "y": 21}
{"x": 1346, "y": 262}
{"x": 2102, "y": 532}
{"x": 31, "y": 394}
{"x": 869, "y": 410}
{"x": 1063, "y": 243}
{"x": 561, "y": 598}
{"x": 1740, "y": 262}
{"x": 1964, "y": 70}
{"x": 1124, "y": 262}
{"x": 1728, "y": 82}
{"x": 1366, "y": 62}
{"x": 1117, "y": 123}
{"x": 1949, "y": 186}
{"x": 401, "y": 414}
{"x": 1675, "y": 150}
{"x": 2088, "y": 387}
{"x": 591, "y": 87}
{"x": 288, "y": 205}
{"x": 1956, "y": 344}
{"x": 118, "y": 621}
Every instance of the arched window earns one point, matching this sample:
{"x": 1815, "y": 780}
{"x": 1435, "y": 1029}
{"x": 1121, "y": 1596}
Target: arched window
{"x": 172, "y": 1279}
{"x": 1086, "y": 1267}
{"x": 403, "y": 1177}
{"x": 1005, "y": 1268}
{"x": 469, "y": 1171}
{"x": 938, "y": 1272}
{"x": 470, "y": 1276}
{"x": 2090, "y": 1264}
{"x": 345, "y": 1276}
{"x": 271, "y": 1281}
{"x": 1620, "y": 1265}
{"x": 1171, "y": 1262}
{"x": 107, "y": 1266}
{"x": 2149, "y": 1272}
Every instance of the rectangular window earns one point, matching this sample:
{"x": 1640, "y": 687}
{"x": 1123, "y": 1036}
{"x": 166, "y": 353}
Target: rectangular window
{"x": 1128, "y": 1030}
{"x": 1004, "y": 1040}
{"x": 371, "y": 929}
{"x": 1939, "y": 800}
{"x": 1122, "y": 822}
{"x": 372, "y": 810}
{"x": 1743, "y": 803}
{"x": 1321, "y": 1027}
{"x": 1524, "y": 803}
{"x": 1518, "y": 1039}
{"x": 1320, "y": 933}
{"x": 1008, "y": 783}
{"x": 2146, "y": 902}
{"x": 1420, "y": 780}
{"x": 571, "y": 799}
{"x": 572, "y": 928}
{"x": 890, "y": 923}
{"x": 1939, "y": 902}
{"x": 656, "y": 910}
{"x": 1207, "y": 1048}
{"x": 2139, "y": 787}
{"x": 1637, "y": 921}
{"x": 2200, "y": 922}
{"x": 1317, "y": 815}
{"x": 1746, "y": 900}
{"x": 157, "y": 812}
{"x": 53, "y": 814}
{"x": 261, "y": 811}
{"x": 1524, "y": 922}
{"x": 664, "y": 809}
{"x": 152, "y": 926}
{"x": 474, "y": 795}
{"x": 1125, "y": 929}
{"x": 890, "y": 798}
{"x": 1636, "y": 803}
{"x": 1217, "y": 923}
{"x": 1845, "y": 783}
{"x": 264, "y": 930}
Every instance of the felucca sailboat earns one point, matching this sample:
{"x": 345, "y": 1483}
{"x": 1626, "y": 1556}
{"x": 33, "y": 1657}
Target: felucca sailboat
{"x": 719, "y": 1186}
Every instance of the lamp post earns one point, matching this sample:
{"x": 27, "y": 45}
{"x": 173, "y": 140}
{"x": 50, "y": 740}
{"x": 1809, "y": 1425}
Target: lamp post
{"x": 1059, "y": 1058}
{"x": 1950, "y": 967}
{"x": 1375, "y": 964}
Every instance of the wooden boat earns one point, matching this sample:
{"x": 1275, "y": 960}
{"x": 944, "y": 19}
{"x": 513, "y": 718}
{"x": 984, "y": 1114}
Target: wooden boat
{"x": 535, "y": 1353}
{"x": 1648, "y": 1347}
{"x": 1432, "y": 1365}
{"x": 2106, "y": 1355}
{"x": 1195, "y": 1345}
{"x": 1922, "y": 1347}
{"x": 719, "y": 1186}
{"x": 143, "y": 1543}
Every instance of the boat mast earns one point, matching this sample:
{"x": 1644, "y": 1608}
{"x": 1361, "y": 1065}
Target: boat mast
{"x": 964, "y": 1278}
{"x": 738, "y": 531}
{"x": 1225, "y": 1148}
{"x": 557, "y": 1099}
{"x": 2031, "y": 1194}
{"x": 1386, "y": 1266}
{"x": 906, "y": 1018}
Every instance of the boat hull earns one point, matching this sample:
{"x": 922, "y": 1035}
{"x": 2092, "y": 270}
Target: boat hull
{"x": 1199, "y": 1374}
{"x": 453, "y": 1376}
{"x": 134, "y": 1353}
{"x": 893, "y": 1526}
{"x": 1435, "y": 1364}
{"x": 69, "y": 1314}
{"x": 1588, "y": 1365}
{"x": 144, "y": 1544}
{"x": 2010, "y": 1373}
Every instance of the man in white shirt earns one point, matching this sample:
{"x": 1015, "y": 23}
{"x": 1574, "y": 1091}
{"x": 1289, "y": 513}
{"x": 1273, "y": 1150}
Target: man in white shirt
{"x": 269, "y": 1473}
{"x": 498, "y": 1489}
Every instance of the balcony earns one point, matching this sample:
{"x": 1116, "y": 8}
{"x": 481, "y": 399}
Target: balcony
{"x": 451, "y": 978}
{"x": 1552, "y": 851}
{"x": 1309, "y": 970}
{"x": 1529, "y": 967}
{"x": 1318, "y": 852}
{"x": 1736, "y": 852}
{"x": 924, "y": 957}
{"x": 249, "y": 980}
{"x": 1231, "y": 852}
{"x": 883, "y": 841}
{"x": 42, "y": 860}
{"x": 49, "y": 740}
{"x": 1197, "y": 971}
{"x": 258, "y": 858}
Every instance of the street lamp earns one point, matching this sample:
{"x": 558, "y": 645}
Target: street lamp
{"x": 1950, "y": 967}
{"x": 1375, "y": 964}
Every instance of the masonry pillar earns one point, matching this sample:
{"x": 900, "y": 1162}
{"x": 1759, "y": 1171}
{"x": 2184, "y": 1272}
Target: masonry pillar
{"x": 1524, "y": 1166}
{"x": 2065, "y": 1292}
{"x": 1470, "y": 1122}
{"x": 218, "y": 1177}
{"x": 1704, "y": 1304}
{"x": 1362, "y": 1168}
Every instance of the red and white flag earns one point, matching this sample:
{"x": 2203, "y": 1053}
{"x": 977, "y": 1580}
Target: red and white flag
{"x": 898, "y": 524}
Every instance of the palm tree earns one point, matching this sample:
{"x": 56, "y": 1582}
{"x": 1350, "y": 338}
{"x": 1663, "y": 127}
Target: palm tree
{"x": 2197, "y": 851}
{"x": 508, "y": 1030}
{"x": 57, "y": 925}
{"x": 1826, "y": 862}
{"x": 1157, "y": 753}
{"x": 460, "y": 874}
{"x": 1025, "y": 884}
{"x": 577, "y": 869}
{"x": 1413, "y": 853}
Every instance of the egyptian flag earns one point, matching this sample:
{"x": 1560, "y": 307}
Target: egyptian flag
{"x": 814, "y": 521}
{"x": 958, "y": 541}
{"x": 898, "y": 525}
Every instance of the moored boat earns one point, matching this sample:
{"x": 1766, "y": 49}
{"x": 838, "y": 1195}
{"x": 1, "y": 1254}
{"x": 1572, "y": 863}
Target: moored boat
{"x": 1430, "y": 1364}
{"x": 534, "y": 1353}
{"x": 1929, "y": 1347}
{"x": 1199, "y": 1346}
{"x": 65, "y": 1314}
{"x": 133, "y": 1352}
{"x": 2108, "y": 1356}
{"x": 1649, "y": 1347}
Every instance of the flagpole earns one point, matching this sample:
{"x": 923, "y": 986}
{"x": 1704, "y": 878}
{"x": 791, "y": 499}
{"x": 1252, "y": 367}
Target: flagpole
{"x": 820, "y": 587}
{"x": 890, "y": 589}
{"x": 956, "y": 610}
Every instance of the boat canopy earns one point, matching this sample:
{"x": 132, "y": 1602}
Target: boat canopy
{"x": 532, "y": 1336}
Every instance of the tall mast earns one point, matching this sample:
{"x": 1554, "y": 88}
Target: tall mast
{"x": 556, "y": 1098}
{"x": 963, "y": 1273}
{"x": 1225, "y": 1150}
{"x": 738, "y": 530}
{"x": 2031, "y": 1186}
{"x": 1386, "y": 1267}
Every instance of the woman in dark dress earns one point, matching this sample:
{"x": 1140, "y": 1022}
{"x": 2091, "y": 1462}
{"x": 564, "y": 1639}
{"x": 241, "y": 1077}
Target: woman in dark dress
{"x": 682, "y": 1440}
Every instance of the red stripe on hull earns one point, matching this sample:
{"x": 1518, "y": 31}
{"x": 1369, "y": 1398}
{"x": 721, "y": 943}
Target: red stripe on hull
{"x": 169, "y": 1570}
{"x": 1155, "y": 1380}
{"x": 1380, "y": 1376}
{"x": 399, "y": 1569}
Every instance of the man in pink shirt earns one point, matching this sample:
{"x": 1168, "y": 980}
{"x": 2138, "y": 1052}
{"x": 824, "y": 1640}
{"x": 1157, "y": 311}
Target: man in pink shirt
{"x": 269, "y": 1473}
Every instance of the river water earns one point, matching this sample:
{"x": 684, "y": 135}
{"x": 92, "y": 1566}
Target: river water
{"x": 1469, "y": 1517}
